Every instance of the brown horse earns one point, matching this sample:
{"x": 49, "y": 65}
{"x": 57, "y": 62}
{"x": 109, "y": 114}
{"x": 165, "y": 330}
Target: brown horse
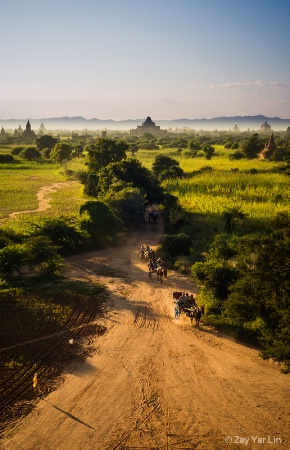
{"x": 159, "y": 273}
{"x": 196, "y": 314}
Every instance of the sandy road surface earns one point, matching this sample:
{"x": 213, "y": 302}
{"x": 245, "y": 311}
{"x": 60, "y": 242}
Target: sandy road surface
{"x": 154, "y": 382}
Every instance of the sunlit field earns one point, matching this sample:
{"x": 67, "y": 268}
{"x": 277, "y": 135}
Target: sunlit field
{"x": 64, "y": 202}
{"x": 19, "y": 185}
{"x": 259, "y": 196}
{"x": 219, "y": 162}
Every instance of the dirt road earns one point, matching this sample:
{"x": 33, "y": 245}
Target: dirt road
{"x": 155, "y": 382}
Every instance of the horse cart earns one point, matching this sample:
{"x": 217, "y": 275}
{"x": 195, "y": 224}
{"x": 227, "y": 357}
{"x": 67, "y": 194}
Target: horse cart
{"x": 187, "y": 305}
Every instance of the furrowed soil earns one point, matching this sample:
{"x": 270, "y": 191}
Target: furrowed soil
{"x": 151, "y": 381}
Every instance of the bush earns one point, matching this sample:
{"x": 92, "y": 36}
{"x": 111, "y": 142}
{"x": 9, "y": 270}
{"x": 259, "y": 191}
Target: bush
{"x": 63, "y": 233}
{"x": 30, "y": 153}
{"x": 16, "y": 150}
{"x": 176, "y": 244}
{"x": 206, "y": 169}
{"x": 6, "y": 159}
{"x": 237, "y": 155}
{"x": 11, "y": 260}
{"x": 46, "y": 153}
{"x": 182, "y": 265}
{"x": 42, "y": 254}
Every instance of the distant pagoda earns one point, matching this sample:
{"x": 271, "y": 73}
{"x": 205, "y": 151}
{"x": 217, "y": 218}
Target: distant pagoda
{"x": 28, "y": 135}
{"x": 265, "y": 127}
{"x": 269, "y": 148}
{"x": 41, "y": 130}
{"x": 148, "y": 127}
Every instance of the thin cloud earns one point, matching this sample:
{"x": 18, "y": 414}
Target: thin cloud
{"x": 251, "y": 84}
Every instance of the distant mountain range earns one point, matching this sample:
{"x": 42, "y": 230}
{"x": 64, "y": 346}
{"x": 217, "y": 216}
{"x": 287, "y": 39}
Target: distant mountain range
{"x": 80, "y": 123}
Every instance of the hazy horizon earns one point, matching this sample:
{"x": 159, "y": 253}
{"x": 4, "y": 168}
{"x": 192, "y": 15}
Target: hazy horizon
{"x": 170, "y": 59}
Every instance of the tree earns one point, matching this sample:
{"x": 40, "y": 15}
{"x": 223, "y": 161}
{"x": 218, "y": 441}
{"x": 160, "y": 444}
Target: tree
{"x": 165, "y": 167}
{"x": 11, "y": 260}
{"x": 61, "y": 152}
{"x": 6, "y": 159}
{"x": 208, "y": 151}
{"x": 216, "y": 276}
{"x": 130, "y": 171}
{"x": 63, "y": 233}
{"x": 171, "y": 172}
{"x": 128, "y": 203}
{"x": 101, "y": 224}
{"x": 43, "y": 254}
{"x": 251, "y": 147}
{"x": 260, "y": 299}
{"x": 78, "y": 150}
{"x": 176, "y": 244}
{"x": 177, "y": 217}
{"x": 104, "y": 152}
{"x": 46, "y": 141}
{"x": 90, "y": 180}
{"x": 30, "y": 153}
{"x": 230, "y": 218}
{"x": 17, "y": 150}
{"x": 133, "y": 149}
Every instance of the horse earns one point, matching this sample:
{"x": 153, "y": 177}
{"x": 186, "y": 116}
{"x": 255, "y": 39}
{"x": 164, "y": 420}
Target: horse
{"x": 151, "y": 268}
{"x": 196, "y": 314}
{"x": 160, "y": 274}
{"x": 142, "y": 254}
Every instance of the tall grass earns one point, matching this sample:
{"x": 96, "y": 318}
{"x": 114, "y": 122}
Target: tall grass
{"x": 219, "y": 162}
{"x": 259, "y": 196}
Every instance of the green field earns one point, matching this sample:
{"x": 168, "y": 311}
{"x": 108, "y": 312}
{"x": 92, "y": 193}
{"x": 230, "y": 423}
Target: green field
{"x": 219, "y": 162}
{"x": 260, "y": 195}
{"x": 20, "y": 184}
{"x": 229, "y": 184}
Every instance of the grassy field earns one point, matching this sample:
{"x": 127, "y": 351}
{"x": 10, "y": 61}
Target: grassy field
{"x": 219, "y": 162}
{"x": 230, "y": 184}
{"x": 259, "y": 195}
{"x": 19, "y": 185}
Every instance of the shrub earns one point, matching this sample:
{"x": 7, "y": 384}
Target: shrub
{"x": 30, "y": 153}
{"x": 11, "y": 260}
{"x": 182, "y": 265}
{"x": 237, "y": 155}
{"x": 6, "y": 159}
{"x": 16, "y": 150}
{"x": 176, "y": 244}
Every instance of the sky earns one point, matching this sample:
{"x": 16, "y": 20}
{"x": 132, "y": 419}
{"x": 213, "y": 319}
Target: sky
{"x": 129, "y": 59}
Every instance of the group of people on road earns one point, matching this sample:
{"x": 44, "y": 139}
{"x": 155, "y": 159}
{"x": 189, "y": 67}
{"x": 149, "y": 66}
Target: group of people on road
{"x": 158, "y": 267}
{"x": 147, "y": 253}
{"x": 187, "y": 303}
{"x": 155, "y": 265}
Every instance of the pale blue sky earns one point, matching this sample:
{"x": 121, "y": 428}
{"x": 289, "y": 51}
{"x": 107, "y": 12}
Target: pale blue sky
{"x": 124, "y": 59}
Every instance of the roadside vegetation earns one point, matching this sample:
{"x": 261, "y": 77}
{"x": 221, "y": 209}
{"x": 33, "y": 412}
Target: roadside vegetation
{"x": 226, "y": 215}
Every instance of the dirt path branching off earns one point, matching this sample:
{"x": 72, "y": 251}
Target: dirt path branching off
{"x": 43, "y": 197}
{"x": 153, "y": 381}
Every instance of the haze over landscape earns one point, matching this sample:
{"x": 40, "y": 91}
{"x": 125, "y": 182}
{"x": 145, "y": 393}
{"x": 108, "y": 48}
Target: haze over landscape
{"x": 129, "y": 59}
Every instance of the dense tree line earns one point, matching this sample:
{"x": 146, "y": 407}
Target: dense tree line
{"x": 245, "y": 283}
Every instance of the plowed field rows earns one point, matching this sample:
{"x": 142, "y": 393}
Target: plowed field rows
{"x": 46, "y": 355}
